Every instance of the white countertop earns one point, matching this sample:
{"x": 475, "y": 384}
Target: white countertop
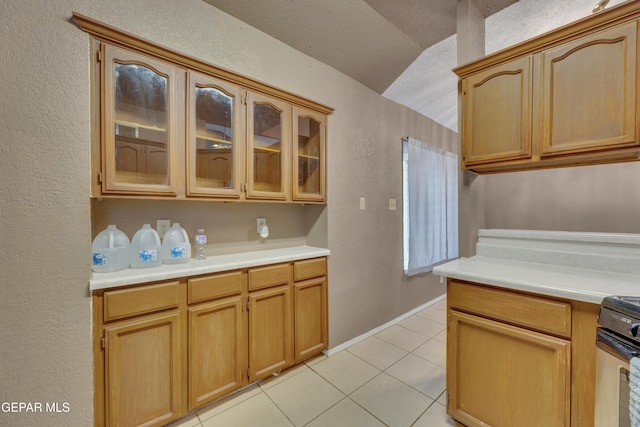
{"x": 577, "y": 284}
{"x": 580, "y": 266}
{"x": 212, "y": 264}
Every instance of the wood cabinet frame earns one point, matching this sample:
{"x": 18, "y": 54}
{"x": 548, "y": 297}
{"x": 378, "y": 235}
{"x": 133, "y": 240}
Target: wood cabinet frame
{"x": 561, "y": 134}
{"x": 238, "y": 306}
{"x": 566, "y": 328}
{"x": 184, "y": 188}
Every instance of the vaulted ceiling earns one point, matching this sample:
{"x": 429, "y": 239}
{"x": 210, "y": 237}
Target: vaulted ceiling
{"x": 372, "y": 41}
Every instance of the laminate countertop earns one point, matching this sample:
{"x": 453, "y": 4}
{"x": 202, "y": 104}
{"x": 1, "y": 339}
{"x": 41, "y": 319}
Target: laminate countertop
{"x": 212, "y": 264}
{"x": 578, "y": 284}
{"x": 580, "y": 266}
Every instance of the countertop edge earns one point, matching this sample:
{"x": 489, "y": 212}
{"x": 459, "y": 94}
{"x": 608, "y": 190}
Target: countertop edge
{"x": 213, "y": 264}
{"x": 555, "y": 281}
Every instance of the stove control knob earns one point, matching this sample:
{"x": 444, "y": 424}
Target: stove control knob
{"x": 634, "y": 328}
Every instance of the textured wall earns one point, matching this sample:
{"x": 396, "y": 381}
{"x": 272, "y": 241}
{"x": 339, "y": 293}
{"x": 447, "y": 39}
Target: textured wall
{"x": 587, "y": 198}
{"x": 45, "y": 215}
{"x": 46, "y": 211}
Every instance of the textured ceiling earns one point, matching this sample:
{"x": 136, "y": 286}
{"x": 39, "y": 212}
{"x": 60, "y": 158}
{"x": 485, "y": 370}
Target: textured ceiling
{"x": 402, "y": 49}
{"x": 372, "y": 41}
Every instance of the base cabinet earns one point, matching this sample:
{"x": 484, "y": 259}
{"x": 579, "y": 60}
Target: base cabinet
{"x": 270, "y": 337}
{"x": 528, "y": 373}
{"x": 216, "y": 350}
{"x": 143, "y": 371}
{"x": 518, "y": 359}
{"x": 164, "y": 349}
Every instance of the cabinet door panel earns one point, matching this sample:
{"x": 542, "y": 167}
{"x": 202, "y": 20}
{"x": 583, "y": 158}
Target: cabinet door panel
{"x": 589, "y": 93}
{"x": 310, "y": 302}
{"x": 309, "y": 174}
{"x": 270, "y": 331}
{"x": 502, "y": 376}
{"x": 269, "y": 133}
{"x": 496, "y": 116}
{"x": 216, "y": 349}
{"x": 140, "y": 114}
{"x": 144, "y": 371}
{"x": 215, "y": 136}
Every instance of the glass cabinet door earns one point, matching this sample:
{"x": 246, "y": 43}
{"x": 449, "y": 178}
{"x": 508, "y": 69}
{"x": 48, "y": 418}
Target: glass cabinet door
{"x": 139, "y": 124}
{"x": 269, "y": 130}
{"x": 309, "y": 128}
{"x": 215, "y": 137}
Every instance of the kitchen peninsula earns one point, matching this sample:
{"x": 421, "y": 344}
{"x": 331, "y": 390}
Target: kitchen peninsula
{"x": 522, "y": 317}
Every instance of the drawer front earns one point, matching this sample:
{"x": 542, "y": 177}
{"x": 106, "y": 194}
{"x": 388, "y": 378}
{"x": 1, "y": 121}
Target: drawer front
{"x": 528, "y": 311}
{"x": 141, "y": 300}
{"x": 309, "y": 268}
{"x": 215, "y": 286}
{"x": 272, "y": 275}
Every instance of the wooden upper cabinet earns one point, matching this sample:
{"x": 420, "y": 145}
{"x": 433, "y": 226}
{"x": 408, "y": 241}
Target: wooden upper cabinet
{"x": 268, "y": 145}
{"x": 166, "y": 124}
{"x": 309, "y": 161}
{"x": 139, "y": 123}
{"x": 497, "y": 113}
{"x": 565, "y": 98}
{"x": 589, "y": 93}
{"x": 215, "y": 137}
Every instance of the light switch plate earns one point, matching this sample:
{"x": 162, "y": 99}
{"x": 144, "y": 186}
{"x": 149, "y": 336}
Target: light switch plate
{"x": 162, "y": 226}
{"x": 362, "y": 203}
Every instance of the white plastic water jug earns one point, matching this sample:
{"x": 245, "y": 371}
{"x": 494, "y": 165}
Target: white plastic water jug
{"x": 146, "y": 248}
{"x": 176, "y": 248}
{"x": 110, "y": 251}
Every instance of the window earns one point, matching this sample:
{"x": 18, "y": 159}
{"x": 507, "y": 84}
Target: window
{"x": 430, "y": 206}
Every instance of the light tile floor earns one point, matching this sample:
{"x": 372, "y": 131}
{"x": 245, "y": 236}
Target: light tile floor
{"x": 395, "y": 378}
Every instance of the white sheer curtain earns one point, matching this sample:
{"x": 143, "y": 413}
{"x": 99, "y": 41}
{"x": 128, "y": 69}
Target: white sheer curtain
{"x": 430, "y": 206}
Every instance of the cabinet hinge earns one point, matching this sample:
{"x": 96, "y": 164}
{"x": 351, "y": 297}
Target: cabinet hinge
{"x": 99, "y": 177}
{"x": 247, "y": 303}
{"x": 99, "y": 55}
{"x": 102, "y": 343}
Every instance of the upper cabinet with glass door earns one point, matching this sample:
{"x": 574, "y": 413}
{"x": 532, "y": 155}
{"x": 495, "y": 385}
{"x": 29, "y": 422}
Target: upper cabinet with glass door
{"x": 139, "y": 123}
{"x": 269, "y": 136}
{"x": 309, "y": 128}
{"x": 215, "y": 137}
{"x": 171, "y": 125}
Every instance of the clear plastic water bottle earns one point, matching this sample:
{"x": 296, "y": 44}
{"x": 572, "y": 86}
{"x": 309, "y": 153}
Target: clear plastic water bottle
{"x": 201, "y": 241}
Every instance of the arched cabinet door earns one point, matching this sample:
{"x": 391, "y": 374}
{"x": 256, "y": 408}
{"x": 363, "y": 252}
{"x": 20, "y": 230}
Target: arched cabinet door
{"x": 215, "y": 137}
{"x": 139, "y": 123}
{"x": 496, "y": 113}
{"x": 589, "y": 93}
{"x": 308, "y": 160}
{"x": 268, "y": 147}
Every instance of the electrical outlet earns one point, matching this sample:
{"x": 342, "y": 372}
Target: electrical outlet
{"x": 259, "y": 223}
{"x": 392, "y": 204}
{"x": 363, "y": 204}
{"x": 162, "y": 226}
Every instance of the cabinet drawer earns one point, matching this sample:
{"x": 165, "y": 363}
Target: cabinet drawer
{"x": 528, "y": 311}
{"x": 215, "y": 286}
{"x": 272, "y": 275}
{"x": 309, "y": 268}
{"x": 140, "y": 300}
